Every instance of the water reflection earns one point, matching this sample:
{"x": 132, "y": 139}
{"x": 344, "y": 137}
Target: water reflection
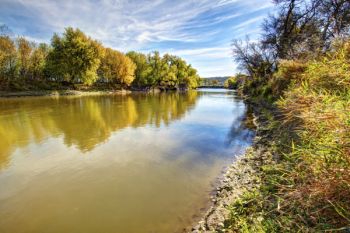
{"x": 242, "y": 129}
{"x": 84, "y": 122}
{"x": 136, "y": 163}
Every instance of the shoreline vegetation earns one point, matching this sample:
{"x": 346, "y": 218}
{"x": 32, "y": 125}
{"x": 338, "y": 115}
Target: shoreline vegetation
{"x": 74, "y": 61}
{"x": 296, "y": 78}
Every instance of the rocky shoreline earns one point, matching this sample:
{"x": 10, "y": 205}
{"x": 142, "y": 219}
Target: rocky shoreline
{"x": 242, "y": 176}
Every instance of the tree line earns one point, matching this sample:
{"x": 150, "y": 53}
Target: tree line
{"x": 75, "y": 58}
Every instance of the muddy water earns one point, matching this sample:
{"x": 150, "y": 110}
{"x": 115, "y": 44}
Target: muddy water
{"x": 134, "y": 163}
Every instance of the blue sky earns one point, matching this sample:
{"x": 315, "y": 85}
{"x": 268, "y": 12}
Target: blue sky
{"x": 200, "y": 31}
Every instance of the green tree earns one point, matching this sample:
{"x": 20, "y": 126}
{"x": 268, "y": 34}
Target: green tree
{"x": 74, "y": 57}
{"x": 155, "y": 62}
{"x": 192, "y": 79}
{"x": 143, "y": 69}
{"x": 181, "y": 70}
{"x": 168, "y": 71}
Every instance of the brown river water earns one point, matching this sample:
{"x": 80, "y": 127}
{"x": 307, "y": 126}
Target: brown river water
{"x": 132, "y": 163}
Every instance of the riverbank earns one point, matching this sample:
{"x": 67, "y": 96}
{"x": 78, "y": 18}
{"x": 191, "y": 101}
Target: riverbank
{"x": 294, "y": 177}
{"x": 299, "y": 165}
{"x": 242, "y": 177}
{"x": 260, "y": 191}
{"x": 6, "y": 94}
{"x": 87, "y": 92}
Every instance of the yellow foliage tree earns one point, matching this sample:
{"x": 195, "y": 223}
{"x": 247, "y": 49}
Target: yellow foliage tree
{"x": 116, "y": 67}
{"x": 8, "y": 58}
{"x": 25, "y": 49}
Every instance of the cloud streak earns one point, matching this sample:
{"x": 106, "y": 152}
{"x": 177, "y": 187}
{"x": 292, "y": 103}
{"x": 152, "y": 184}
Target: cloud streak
{"x": 192, "y": 28}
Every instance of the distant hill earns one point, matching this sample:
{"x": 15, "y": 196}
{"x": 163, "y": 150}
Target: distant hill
{"x": 214, "y": 81}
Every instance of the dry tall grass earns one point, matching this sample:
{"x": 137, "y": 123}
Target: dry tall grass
{"x": 307, "y": 188}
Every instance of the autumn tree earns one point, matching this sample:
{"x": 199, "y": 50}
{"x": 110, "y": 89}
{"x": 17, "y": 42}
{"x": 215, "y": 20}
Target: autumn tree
{"x": 38, "y": 61}
{"x": 116, "y": 67}
{"x": 230, "y": 83}
{"x": 8, "y": 59}
{"x": 76, "y": 58}
{"x": 24, "y": 53}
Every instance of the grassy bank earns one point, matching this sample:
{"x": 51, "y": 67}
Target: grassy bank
{"x": 305, "y": 184}
{"x": 296, "y": 176}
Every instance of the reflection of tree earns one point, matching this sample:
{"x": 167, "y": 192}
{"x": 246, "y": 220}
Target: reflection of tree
{"x": 163, "y": 108}
{"x": 18, "y": 126}
{"x": 85, "y": 121}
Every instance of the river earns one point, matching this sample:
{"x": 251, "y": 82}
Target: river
{"x": 115, "y": 163}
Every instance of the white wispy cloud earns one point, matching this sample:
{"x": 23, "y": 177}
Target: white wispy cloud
{"x": 196, "y": 27}
{"x": 212, "y": 52}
